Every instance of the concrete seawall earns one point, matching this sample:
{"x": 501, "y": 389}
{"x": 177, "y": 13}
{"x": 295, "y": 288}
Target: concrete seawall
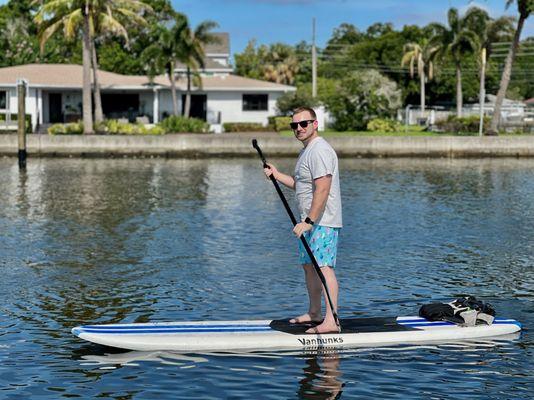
{"x": 230, "y": 145}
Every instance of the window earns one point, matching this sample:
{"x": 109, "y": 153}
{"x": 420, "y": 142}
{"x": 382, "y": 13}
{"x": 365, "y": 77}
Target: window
{"x": 3, "y": 100}
{"x": 255, "y": 102}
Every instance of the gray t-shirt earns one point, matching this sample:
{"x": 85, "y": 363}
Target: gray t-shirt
{"x": 318, "y": 159}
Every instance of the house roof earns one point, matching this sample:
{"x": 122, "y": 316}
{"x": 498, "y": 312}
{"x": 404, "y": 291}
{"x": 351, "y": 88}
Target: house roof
{"x": 209, "y": 65}
{"x": 530, "y": 101}
{"x": 69, "y": 76}
{"x": 223, "y": 47}
{"x": 65, "y": 76}
{"x": 237, "y": 83}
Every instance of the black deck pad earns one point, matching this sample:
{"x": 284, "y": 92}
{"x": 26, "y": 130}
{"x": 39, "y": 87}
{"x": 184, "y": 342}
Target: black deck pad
{"x": 348, "y": 325}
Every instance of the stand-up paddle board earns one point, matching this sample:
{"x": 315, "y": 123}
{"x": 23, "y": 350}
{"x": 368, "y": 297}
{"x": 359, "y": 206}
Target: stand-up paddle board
{"x": 280, "y": 334}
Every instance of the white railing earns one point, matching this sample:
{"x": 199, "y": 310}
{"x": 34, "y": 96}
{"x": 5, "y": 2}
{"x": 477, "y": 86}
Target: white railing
{"x": 6, "y": 122}
{"x": 515, "y": 116}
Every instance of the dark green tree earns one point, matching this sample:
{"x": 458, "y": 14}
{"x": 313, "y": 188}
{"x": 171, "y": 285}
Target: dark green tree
{"x": 525, "y": 9}
{"x": 456, "y": 40}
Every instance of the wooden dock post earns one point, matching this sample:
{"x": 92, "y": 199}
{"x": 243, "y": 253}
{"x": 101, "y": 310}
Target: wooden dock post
{"x": 21, "y": 119}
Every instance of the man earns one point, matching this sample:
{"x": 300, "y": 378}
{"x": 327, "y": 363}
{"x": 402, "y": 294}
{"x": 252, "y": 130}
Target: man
{"x": 316, "y": 184}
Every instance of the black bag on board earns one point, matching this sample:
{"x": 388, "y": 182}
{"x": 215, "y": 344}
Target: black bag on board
{"x": 465, "y": 311}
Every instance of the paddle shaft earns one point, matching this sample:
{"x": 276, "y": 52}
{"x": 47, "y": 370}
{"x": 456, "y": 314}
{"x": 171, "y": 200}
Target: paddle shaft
{"x": 302, "y": 238}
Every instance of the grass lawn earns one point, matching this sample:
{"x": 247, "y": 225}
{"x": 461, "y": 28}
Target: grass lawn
{"x": 411, "y": 131}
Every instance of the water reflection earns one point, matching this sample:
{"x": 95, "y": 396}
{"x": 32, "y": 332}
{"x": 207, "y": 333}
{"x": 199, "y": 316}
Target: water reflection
{"x": 322, "y": 376}
{"x": 98, "y": 241}
{"x": 134, "y": 358}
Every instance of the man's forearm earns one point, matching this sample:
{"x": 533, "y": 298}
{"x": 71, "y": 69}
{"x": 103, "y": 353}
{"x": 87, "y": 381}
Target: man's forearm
{"x": 320, "y": 196}
{"x": 285, "y": 180}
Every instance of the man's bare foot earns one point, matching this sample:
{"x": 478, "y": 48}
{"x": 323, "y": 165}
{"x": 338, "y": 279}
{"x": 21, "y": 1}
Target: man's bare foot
{"x": 325, "y": 327}
{"x": 307, "y": 319}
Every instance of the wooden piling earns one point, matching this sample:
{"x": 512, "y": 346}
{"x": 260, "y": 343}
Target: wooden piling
{"x": 21, "y": 119}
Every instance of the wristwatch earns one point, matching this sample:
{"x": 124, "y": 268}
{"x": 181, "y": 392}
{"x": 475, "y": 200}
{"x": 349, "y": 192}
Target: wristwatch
{"x": 309, "y": 221}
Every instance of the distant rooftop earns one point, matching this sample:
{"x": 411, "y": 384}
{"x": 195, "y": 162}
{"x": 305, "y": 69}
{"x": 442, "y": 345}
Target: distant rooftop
{"x": 69, "y": 76}
{"x": 223, "y": 47}
{"x": 210, "y": 65}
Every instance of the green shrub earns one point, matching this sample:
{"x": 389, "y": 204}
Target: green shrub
{"x": 382, "y": 125}
{"x": 463, "y": 125}
{"x": 281, "y": 123}
{"x": 155, "y": 130}
{"x": 246, "y": 127}
{"x": 361, "y": 97}
{"x": 292, "y": 100}
{"x": 178, "y": 124}
{"x": 72, "y": 128}
{"x": 114, "y": 127}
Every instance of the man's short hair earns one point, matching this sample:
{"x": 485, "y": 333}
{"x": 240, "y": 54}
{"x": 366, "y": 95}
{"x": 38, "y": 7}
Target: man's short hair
{"x": 303, "y": 109}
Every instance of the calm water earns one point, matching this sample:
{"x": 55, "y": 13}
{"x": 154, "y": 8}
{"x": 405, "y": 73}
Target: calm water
{"x": 101, "y": 241}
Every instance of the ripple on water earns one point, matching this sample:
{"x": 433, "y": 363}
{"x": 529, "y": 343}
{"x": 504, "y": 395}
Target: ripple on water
{"x": 97, "y": 241}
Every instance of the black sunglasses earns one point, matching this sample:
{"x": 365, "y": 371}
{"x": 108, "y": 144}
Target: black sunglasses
{"x": 303, "y": 124}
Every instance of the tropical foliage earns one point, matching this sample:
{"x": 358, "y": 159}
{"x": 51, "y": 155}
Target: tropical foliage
{"x": 179, "y": 124}
{"x": 361, "y": 97}
{"x": 113, "y": 34}
{"x": 421, "y": 56}
{"x": 525, "y": 8}
{"x": 90, "y": 17}
{"x": 276, "y": 63}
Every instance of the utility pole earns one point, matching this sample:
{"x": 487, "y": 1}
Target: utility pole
{"x": 21, "y": 119}
{"x": 482, "y": 98}
{"x": 314, "y": 62}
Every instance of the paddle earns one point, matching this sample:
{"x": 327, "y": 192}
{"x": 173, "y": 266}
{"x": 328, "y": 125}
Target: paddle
{"x": 302, "y": 238}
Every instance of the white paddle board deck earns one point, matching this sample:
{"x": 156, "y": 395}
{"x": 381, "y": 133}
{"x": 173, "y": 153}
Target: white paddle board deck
{"x": 280, "y": 334}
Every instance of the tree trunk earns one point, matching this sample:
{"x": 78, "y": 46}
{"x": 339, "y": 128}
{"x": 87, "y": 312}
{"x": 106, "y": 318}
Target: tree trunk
{"x": 482, "y": 92}
{"x": 187, "y": 107}
{"x": 505, "y": 78}
{"x": 422, "y": 78}
{"x": 99, "y": 114}
{"x": 459, "y": 95}
{"x": 87, "y": 104}
{"x": 170, "y": 71}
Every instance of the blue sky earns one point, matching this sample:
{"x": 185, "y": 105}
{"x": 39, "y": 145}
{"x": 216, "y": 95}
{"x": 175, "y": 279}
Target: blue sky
{"x": 290, "y": 21}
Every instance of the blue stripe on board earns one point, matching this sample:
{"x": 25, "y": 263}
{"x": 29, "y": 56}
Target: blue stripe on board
{"x": 445, "y": 323}
{"x": 438, "y": 323}
{"x": 171, "y": 330}
{"x": 420, "y": 320}
{"x": 200, "y": 326}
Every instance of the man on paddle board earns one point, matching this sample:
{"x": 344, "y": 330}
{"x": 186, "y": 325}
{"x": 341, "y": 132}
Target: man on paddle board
{"x": 316, "y": 184}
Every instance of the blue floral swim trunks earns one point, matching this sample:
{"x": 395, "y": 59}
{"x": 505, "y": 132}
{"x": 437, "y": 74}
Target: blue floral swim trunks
{"x": 323, "y": 243}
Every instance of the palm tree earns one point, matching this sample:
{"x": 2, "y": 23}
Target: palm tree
{"x": 525, "y": 8}
{"x": 489, "y": 31}
{"x": 282, "y": 64}
{"x": 424, "y": 56}
{"x": 109, "y": 17}
{"x": 191, "y": 53}
{"x": 68, "y": 13}
{"x": 71, "y": 14}
{"x": 162, "y": 56}
{"x": 458, "y": 41}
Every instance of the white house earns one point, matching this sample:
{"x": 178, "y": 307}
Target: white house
{"x": 55, "y": 93}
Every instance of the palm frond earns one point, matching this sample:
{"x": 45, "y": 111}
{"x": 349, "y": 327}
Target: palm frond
{"x": 72, "y": 22}
{"x": 110, "y": 24}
